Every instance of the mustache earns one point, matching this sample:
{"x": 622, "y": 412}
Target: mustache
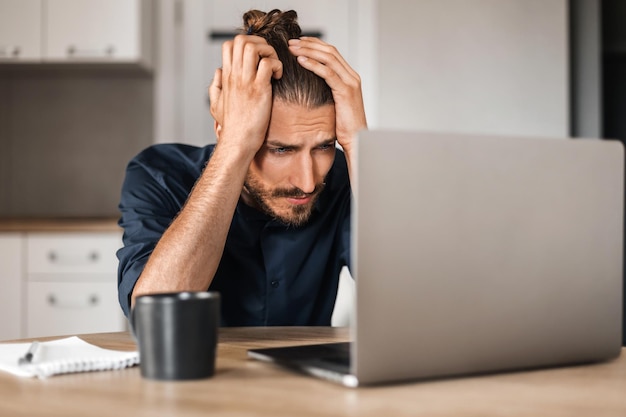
{"x": 296, "y": 192}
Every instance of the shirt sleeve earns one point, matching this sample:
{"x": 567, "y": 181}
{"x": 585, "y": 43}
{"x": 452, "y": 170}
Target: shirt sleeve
{"x": 147, "y": 205}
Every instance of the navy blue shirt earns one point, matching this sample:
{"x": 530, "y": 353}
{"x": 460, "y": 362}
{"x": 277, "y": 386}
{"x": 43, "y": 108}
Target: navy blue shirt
{"x": 270, "y": 274}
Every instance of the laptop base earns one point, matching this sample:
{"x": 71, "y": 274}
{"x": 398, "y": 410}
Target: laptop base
{"x": 329, "y": 361}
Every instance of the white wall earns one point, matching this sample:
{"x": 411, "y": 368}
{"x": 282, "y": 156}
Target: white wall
{"x": 483, "y": 66}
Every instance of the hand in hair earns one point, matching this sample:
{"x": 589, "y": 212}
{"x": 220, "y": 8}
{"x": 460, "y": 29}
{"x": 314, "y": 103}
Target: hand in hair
{"x": 325, "y": 61}
{"x": 241, "y": 91}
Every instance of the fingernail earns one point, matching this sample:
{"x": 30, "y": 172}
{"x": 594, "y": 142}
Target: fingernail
{"x": 294, "y": 41}
{"x": 302, "y": 58}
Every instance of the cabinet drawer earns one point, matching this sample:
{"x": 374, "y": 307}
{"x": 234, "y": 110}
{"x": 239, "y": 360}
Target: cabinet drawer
{"x": 11, "y": 268}
{"x": 62, "y": 308}
{"x": 72, "y": 253}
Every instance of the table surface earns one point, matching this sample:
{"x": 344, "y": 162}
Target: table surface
{"x": 246, "y": 387}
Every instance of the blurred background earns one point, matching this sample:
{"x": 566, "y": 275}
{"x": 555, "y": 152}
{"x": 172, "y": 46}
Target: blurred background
{"x": 86, "y": 84}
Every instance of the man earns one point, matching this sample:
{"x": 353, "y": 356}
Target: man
{"x": 266, "y": 220}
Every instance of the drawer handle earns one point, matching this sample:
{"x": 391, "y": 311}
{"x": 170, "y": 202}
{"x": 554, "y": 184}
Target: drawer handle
{"x": 91, "y": 301}
{"x": 91, "y": 258}
{"x": 75, "y": 52}
{"x": 10, "y": 52}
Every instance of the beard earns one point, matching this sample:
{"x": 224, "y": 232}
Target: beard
{"x": 295, "y": 215}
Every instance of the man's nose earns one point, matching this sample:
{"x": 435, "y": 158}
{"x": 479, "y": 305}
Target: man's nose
{"x": 303, "y": 175}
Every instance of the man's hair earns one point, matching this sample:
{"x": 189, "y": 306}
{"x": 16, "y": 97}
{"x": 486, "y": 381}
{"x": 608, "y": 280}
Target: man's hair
{"x": 297, "y": 85}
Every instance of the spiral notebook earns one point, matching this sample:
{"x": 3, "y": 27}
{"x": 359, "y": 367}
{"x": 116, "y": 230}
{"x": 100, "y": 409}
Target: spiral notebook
{"x": 63, "y": 356}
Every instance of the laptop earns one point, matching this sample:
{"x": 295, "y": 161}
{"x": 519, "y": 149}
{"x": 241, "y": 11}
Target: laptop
{"x": 477, "y": 254}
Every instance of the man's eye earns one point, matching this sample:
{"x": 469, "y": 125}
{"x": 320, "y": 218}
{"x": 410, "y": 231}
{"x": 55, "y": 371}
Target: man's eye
{"x": 325, "y": 147}
{"x": 279, "y": 150}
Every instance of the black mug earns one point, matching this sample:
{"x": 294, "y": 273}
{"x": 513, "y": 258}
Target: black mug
{"x": 176, "y": 334}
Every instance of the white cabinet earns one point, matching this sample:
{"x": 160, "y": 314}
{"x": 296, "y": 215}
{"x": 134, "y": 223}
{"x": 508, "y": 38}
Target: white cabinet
{"x": 71, "y": 284}
{"x": 11, "y": 261}
{"x": 76, "y": 31}
{"x": 20, "y": 30}
{"x": 97, "y": 30}
{"x": 59, "y": 283}
{"x": 71, "y": 254}
{"x": 88, "y": 305}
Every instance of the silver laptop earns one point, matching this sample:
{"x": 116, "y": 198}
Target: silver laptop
{"x": 476, "y": 254}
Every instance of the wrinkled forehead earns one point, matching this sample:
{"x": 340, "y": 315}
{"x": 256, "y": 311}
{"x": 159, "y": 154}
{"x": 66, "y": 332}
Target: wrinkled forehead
{"x": 291, "y": 121}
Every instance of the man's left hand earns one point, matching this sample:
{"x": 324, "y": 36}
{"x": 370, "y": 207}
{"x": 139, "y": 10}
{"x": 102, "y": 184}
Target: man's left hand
{"x": 325, "y": 61}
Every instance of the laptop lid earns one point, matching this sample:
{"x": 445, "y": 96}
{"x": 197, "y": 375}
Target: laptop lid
{"x": 475, "y": 254}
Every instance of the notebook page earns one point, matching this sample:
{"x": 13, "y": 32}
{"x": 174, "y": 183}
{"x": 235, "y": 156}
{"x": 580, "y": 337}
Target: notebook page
{"x": 68, "y": 355}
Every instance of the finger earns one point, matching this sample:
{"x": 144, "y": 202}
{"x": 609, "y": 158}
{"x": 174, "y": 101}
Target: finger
{"x": 317, "y": 44}
{"x": 216, "y": 83}
{"x": 215, "y": 91}
{"x": 255, "y": 53}
{"x": 336, "y": 75}
{"x": 257, "y": 40}
{"x": 269, "y": 67}
{"x": 332, "y": 78}
{"x": 227, "y": 57}
{"x": 322, "y": 52}
{"x": 325, "y": 54}
{"x": 248, "y": 50}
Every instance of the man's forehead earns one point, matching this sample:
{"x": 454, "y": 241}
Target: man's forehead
{"x": 290, "y": 119}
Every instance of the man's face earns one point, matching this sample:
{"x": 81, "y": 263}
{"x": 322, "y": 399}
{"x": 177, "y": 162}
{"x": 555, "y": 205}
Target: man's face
{"x": 287, "y": 174}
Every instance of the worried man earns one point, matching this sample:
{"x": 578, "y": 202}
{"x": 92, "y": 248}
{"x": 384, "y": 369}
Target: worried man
{"x": 263, "y": 216}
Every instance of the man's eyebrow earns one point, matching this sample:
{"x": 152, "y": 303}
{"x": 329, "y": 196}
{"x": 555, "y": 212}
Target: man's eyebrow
{"x": 279, "y": 144}
{"x": 330, "y": 141}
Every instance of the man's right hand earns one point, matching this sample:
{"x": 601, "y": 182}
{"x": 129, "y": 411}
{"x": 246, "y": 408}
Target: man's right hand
{"x": 189, "y": 252}
{"x": 241, "y": 91}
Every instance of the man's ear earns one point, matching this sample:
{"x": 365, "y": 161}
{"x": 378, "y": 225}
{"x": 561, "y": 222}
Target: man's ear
{"x": 218, "y": 129}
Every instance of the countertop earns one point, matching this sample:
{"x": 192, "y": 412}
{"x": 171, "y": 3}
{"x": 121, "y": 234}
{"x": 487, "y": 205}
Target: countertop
{"x": 59, "y": 225}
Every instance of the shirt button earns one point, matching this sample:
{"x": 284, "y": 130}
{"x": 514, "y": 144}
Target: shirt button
{"x": 274, "y": 284}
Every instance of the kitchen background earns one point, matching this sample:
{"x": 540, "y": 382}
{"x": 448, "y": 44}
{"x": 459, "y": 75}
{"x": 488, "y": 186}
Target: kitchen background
{"x": 86, "y": 84}
{"x": 69, "y": 124}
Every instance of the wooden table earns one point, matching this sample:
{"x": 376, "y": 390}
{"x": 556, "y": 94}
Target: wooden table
{"x": 245, "y": 387}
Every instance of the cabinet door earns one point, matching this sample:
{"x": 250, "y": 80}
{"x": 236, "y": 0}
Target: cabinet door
{"x": 20, "y": 30}
{"x": 61, "y": 308}
{"x": 68, "y": 254}
{"x": 11, "y": 285}
{"x": 93, "y": 30}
